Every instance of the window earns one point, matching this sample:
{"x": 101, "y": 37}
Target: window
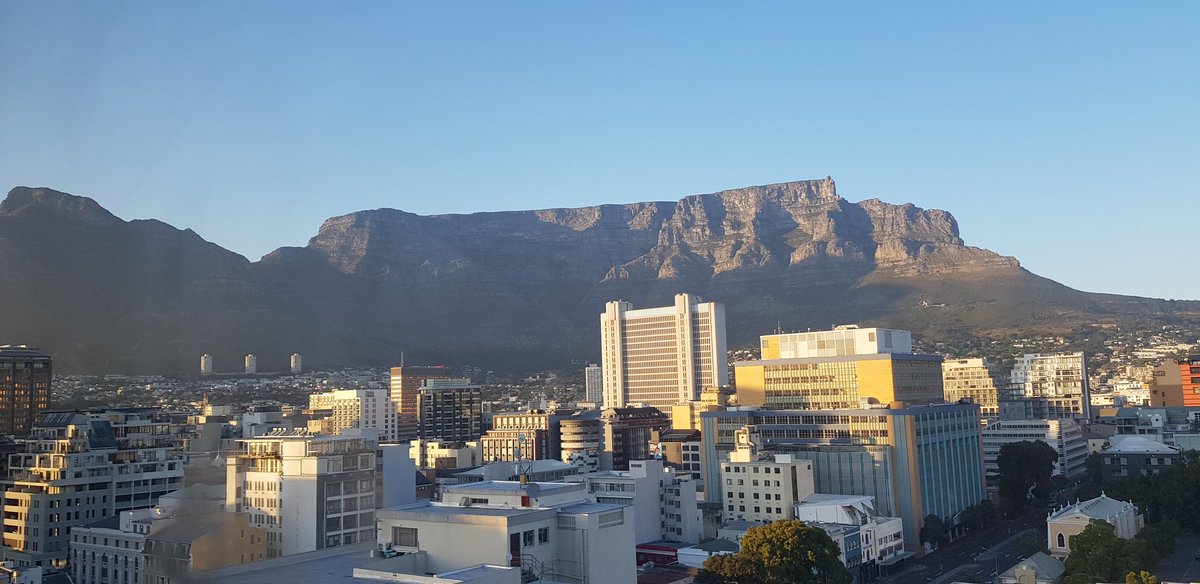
{"x": 404, "y": 536}
{"x": 543, "y": 535}
{"x": 527, "y": 538}
{"x": 1062, "y": 541}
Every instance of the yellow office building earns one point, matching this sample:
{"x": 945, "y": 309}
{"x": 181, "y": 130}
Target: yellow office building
{"x": 846, "y": 382}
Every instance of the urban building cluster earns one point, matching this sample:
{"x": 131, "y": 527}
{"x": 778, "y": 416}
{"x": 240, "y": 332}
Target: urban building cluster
{"x": 667, "y": 457}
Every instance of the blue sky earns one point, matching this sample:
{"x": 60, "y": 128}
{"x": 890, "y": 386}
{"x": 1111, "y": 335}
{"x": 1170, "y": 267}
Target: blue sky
{"x": 1066, "y": 134}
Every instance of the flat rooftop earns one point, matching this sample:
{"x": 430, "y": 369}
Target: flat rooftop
{"x": 320, "y": 567}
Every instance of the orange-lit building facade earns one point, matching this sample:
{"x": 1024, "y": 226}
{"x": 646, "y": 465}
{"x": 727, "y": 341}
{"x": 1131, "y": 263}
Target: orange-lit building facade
{"x": 1189, "y": 376}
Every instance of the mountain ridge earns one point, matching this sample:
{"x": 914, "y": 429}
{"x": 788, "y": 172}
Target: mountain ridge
{"x": 513, "y": 290}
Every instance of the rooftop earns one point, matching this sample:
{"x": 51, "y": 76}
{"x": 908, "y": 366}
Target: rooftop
{"x": 586, "y": 508}
{"x": 1101, "y": 508}
{"x": 1132, "y": 444}
{"x": 1044, "y": 565}
{"x": 513, "y": 487}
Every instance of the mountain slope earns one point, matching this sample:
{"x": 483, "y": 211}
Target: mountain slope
{"x": 510, "y": 290}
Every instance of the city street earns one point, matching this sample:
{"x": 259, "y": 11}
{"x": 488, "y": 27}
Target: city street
{"x": 1181, "y": 566}
{"x": 978, "y": 557}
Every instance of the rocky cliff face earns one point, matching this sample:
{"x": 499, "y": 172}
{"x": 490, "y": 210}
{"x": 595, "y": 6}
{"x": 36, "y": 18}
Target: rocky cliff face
{"x": 510, "y": 290}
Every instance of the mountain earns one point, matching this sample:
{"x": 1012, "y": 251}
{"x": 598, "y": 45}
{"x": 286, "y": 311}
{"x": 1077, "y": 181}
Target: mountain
{"x": 513, "y": 291}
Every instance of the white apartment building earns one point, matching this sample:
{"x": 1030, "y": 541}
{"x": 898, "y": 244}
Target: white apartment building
{"x": 764, "y": 490}
{"x": 842, "y": 341}
{"x": 251, "y": 364}
{"x": 297, "y": 363}
{"x": 665, "y": 507}
{"x": 308, "y": 492}
{"x": 206, "y": 364}
{"x": 442, "y": 454}
{"x": 1064, "y": 436}
{"x": 77, "y": 471}
{"x": 357, "y": 408}
{"x": 547, "y": 529}
{"x": 1056, "y": 382}
{"x": 882, "y": 538}
{"x": 662, "y": 356}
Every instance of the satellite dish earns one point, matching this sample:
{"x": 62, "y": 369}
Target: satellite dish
{"x": 533, "y": 489}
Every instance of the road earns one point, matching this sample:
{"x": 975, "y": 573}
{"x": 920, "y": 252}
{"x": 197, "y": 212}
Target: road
{"x": 976, "y": 557}
{"x": 1181, "y": 566}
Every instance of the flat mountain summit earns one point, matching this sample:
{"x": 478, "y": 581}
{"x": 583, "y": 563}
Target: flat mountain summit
{"x": 513, "y": 290}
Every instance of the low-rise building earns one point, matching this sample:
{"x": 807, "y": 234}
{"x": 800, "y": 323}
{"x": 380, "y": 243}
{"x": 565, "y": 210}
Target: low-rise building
{"x": 664, "y": 506}
{"x": 1065, "y": 522}
{"x": 881, "y": 539}
{"x": 546, "y": 535}
{"x": 1133, "y": 456}
{"x": 1063, "y": 435}
{"x": 763, "y": 489}
{"x": 1036, "y": 569}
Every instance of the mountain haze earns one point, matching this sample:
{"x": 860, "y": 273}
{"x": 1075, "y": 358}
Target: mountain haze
{"x": 512, "y": 290}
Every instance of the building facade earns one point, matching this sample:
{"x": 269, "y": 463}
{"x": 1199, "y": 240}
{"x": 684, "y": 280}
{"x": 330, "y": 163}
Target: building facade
{"x": 76, "y": 472}
{"x": 370, "y": 409}
{"x": 914, "y": 461}
{"x": 662, "y": 356}
{"x": 765, "y": 490}
{"x": 405, "y": 384}
{"x": 450, "y": 410}
{"x": 25, "y": 375}
{"x": 1054, "y": 385}
{"x": 975, "y": 381}
{"x": 1071, "y": 520}
{"x": 1189, "y": 380}
{"x": 843, "y": 382}
{"x": 842, "y": 341}
{"x": 308, "y": 492}
{"x": 593, "y": 385}
{"x": 535, "y": 434}
{"x": 1064, "y": 436}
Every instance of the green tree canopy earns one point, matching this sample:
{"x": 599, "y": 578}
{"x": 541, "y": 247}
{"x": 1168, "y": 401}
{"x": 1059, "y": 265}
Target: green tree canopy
{"x": 1098, "y": 555}
{"x": 933, "y": 530}
{"x": 779, "y": 552}
{"x": 1025, "y": 467}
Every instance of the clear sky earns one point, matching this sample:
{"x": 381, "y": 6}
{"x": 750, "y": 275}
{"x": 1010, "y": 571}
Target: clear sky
{"x": 1066, "y": 134}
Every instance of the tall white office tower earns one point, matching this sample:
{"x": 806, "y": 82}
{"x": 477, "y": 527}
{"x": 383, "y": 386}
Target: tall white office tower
{"x": 206, "y": 364}
{"x": 662, "y": 356}
{"x": 251, "y": 364}
{"x": 296, "y": 368}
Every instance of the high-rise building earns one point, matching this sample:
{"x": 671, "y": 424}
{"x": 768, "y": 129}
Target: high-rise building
{"x": 975, "y": 381}
{"x": 355, "y": 408}
{"x": 251, "y": 364}
{"x": 842, "y": 341}
{"x": 296, "y": 367}
{"x": 1051, "y": 385}
{"x": 24, "y": 388}
{"x": 662, "y": 356}
{"x": 849, "y": 382}
{"x": 79, "y": 470}
{"x": 627, "y": 434}
{"x": 206, "y": 364}
{"x": 582, "y": 439}
{"x": 405, "y": 385}
{"x": 593, "y": 381}
{"x": 308, "y": 492}
{"x": 450, "y": 410}
{"x": 915, "y": 461}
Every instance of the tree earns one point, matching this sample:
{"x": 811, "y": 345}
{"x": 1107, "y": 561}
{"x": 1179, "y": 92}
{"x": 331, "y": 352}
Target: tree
{"x": 933, "y": 530}
{"x": 1098, "y": 555}
{"x": 1142, "y": 577}
{"x": 1025, "y": 469}
{"x": 1095, "y": 468}
{"x": 779, "y": 552}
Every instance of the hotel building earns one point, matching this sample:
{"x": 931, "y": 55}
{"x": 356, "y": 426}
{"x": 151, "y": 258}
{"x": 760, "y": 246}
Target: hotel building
{"x": 662, "y": 356}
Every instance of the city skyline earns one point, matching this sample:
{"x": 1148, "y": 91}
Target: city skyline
{"x": 1055, "y": 134}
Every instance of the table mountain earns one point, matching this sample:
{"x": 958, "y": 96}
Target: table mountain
{"x": 514, "y": 290}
